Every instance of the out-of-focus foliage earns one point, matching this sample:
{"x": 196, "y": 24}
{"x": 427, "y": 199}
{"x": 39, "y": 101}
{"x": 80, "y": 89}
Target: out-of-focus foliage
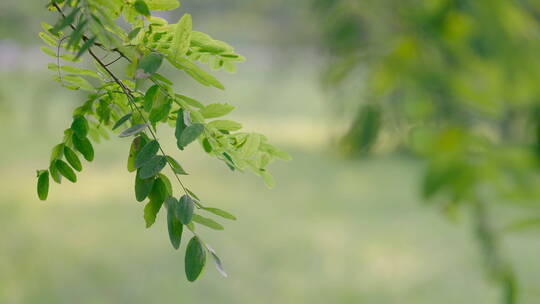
{"x": 456, "y": 82}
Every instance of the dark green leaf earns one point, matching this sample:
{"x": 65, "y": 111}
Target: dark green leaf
{"x": 195, "y": 259}
{"x": 159, "y": 113}
{"x": 84, "y": 146}
{"x": 43, "y": 184}
{"x": 57, "y": 152}
{"x": 136, "y": 129}
{"x": 143, "y": 187}
{"x": 180, "y": 124}
{"x": 206, "y": 145}
{"x": 147, "y": 153}
{"x": 87, "y": 44}
{"x": 152, "y": 167}
{"x": 73, "y": 159}
{"x": 65, "y": 170}
{"x": 173, "y": 223}
{"x": 176, "y": 166}
{"x": 149, "y": 97}
{"x": 190, "y": 134}
{"x": 134, "y": 33}
{"x": 210, "y": 223}
{"x": 141, "y": 7}
{"x": 219, "y": 212}
{"x": 185, "y": 209}
{"x": 157, "y": 196}
{"x": 64, "y": 22}
{"x": 121, "y": 121}
{"x": 80, "y": 126}
{"x": 167, "y": 183}
{"x": 148, "y": 65}
{"x": 57, "y": 178}
{"x": 136, "y": 146}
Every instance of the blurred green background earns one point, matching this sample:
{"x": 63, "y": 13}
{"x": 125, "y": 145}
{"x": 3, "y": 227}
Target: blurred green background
{"x": 332, "y": 231}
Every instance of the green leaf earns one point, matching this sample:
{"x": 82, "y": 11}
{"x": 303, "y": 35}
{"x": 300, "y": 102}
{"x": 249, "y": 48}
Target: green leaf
{"x": 176, "y": 166}
{"x": 149, "y": 97}
{"x": 65, "y": 170}
{"x": 136, "y": 146}
{"x": 159, "y": 113}
{"x": 195, "y": 259}
{"x": 157, "y": 196}
{"x": 190, "y": 134}
{"x": 196, "y": 72}
{"x": 182, "y": 37}
{"x": 220, "y": 212}
{"x": 80, "y": 126}
{"x": 162, "y": 5}
{"x": 84, "y": 146}
{"x": 152, "y": 167}
{"x": 217, "y": 260}
{"x": 210, "y": 223}
{"x": 72, "y": 159}
{"x": 174, "y": 225}
{"x": 134, "y": 130}
{"x": 87, "y": 44}
{"x": 148, "y": 65}
{"x": 122, "y": 120}
{"x": 143, "y": 187}
{"x": 147, "y": 153}
{"x": 216, "y": 110}
{"x": 141, "y": 7}
{"x": 133, "y": 33}
{"x": 185, "y": 209}
{"x": 251, "y": 146}
{"x": 64, "y": 22}
{"x": 43, "y": 184}
{"x": 57, "y": 152}
{"x": 167, "y": 183}
{"x": 57, "y": 178}
{"x": 227, "y": 125}
{"x": 180, "y": 124}
{"x": 190, "y": 101}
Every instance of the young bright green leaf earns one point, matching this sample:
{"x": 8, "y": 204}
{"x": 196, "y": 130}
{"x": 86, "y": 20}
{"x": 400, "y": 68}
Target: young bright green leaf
{"x": 162, "y": 5}
{"x": 122, "y": 120}
{"x": 148, "y": 65}
{"x": 227, "y": 125}
{"x": 251, "y": 146}
{"x": 182, "y": 37}
{"x": 152, "y": 167}
{"x": 185, "y": 209}
{"x": 196, "y": 72}
{"x": 210, "y": 223}
{"x": 190, "y": 101}
{"x": 195, "y": 259}
{"x": 174, "y": 225}
{"x": 141, "y": 7}
{"x": 143, "y": 187}
{"x": 216, "y": 110}
{"x": 147, "y": 152}
{"x": 190, "y": 134}
{"x": 72, "y": 159}
{"x": 65, "y": 170}
{"x": 177, "y": 168}
{"x": 220, "y": 212}
{"x": 84, "y": 146}
{"x": 43, "y": 184}
{"x": 134, "y": 130}
{"x": 80, "y": 126}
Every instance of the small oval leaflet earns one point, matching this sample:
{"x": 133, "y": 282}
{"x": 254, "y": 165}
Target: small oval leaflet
{"x": 152, "y": 167}
{"x": 65, "y": 170}
{"x": 148, "y": 65}
{"x": 133, "y": 130}
{"x": 141, "y": 7}
{"x": 190, "y": 134}
{"x": 208, "y": 222}
{"x": 185, "y": 209}
{"x": 143, "y": 187}
{"x": 174, "y": 225}
{"x": 220, "y": 212}
{"x": 176, "y": 166}
{"x": 43, "y": 184}
{"x": 147, "y": 152}
{"x": 121, "y": 121}
{"x": 80, "y": 126}
{"x": 72, "y": 159}
{"x": 195, "y": 259}
{"x": 84, "y": 146}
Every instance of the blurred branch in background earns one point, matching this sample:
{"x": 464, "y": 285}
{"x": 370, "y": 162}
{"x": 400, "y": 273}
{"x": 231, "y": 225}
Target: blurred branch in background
{"x": 459, "y": 79}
